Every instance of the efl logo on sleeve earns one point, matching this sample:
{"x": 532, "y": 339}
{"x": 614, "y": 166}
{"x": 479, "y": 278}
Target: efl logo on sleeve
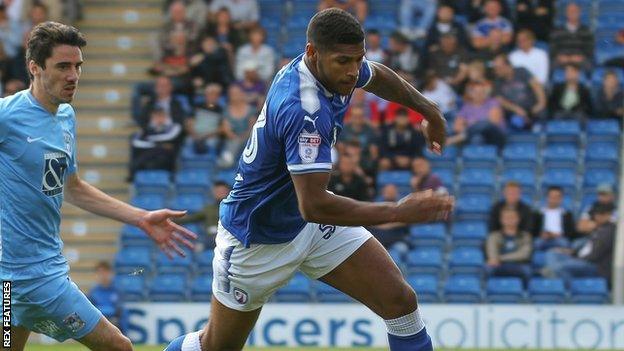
{"x": 308, "y": 146}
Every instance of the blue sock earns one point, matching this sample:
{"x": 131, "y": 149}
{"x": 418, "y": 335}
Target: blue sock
{"x": 176, "y": 344}
{"x": 417, "y": 342}
{"x": 190, "y": 342}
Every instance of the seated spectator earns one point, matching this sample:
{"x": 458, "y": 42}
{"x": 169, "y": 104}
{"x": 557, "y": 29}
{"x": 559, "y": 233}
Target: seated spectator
{"x": 358, "y": 8}
{"x": 366, "y": 166}
{"x": 210, "y": 65}
{"x": 422, "y": 10}
{"x": 177, "y": 22}
{"x": 493, "y": 21}
{"x": 529, "y": 57}
{"x": 175, "y": 108}
{"x": 258, "y": 52}
{"x": 208, "y": 216}
{"x": 594, "y": 258}
{"x": 422, "y": 178}
{"x": 401, "y": 54}
{"x": 523, "y": 98}
{"x": 38, "y": 13}
{"x": 449, "y": 61}
{"x": 509, "y": 249}
{"x": 390, "y": 233}
{"x": 438, "y": 91}
{"x": 174, "y": 62}
{"x": 573, "y": 43}
{"x": 239, "y": 117}
{"x": 617, "y": 61}
{"x": 571, "y": 99}
{"x": 360, "y": 129}
{"x": 252, "y": 86}
{"x": 10, "y": 33}
{"x": 610, "y": 99}
{"x": 245, "y": 13}
{"x": 475, "y": 9}
{"x": 606, "y": 197}
{"x": 554, "y": 225}
{"x": 481, "y": 119}
{"x": 103, "y": 294}
{"x": 445, "y": 23}
{"x": 511, "y": 194}
{"x": 475, "y": 72}
{"x": 223, "y": 30}
{"x": 345, "y": 181}
{"x": 374, "y": 51}
{"x": 370, "y": 107}
{"x": 495, "y": 46}
{"x": 400, "y": 142}
{"x": 536, "y": 16}
{"x": 156, "y": 146}
{"x": 206, "y": 128}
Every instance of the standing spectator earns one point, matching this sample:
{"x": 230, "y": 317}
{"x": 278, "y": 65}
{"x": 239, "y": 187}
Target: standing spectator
{"x": 401, "y": 56}
{"x": 366, "y": 167}
{"x": 618, "y": 60}
{"x": 174, "y": 62}
{"x": 475, "y": 9}
{"x": 610, "y": 100}
{"x": 346, "y": 181}
{"x": 206, "y": 128}
{"x": 390, "y": 233}
{"x": 445, "y": 23}
{"x": 449, "y": 61}
{"x": 38, "y": 13}
{"x": 554, "y": 225}
{"x": 606, "y": 198}
{"x": 493, "y": 22}
{"x": 422, "y": 178}
{"x": 481, "y": 119}
{"x": 423, "y": 10}
{"x": 536, "y": 15}
{"x": 224, "y": 31}
{"x": 10, "y": 33}
{"x": 253, "y": 87}
{"x": 595, "y": 258}
{"x": 358, "y": 8}
{"x": 239, "y": 117}
{"x": 509, "y": 249}
{"x": 521, "y": 95}
{"x": 526, "y": 55}
{"x": 245, "y": 13}
{"x": 359, "y": 128}
{"x": 175, "y": 108}
{"x": 571, "y": 99}
{"x": 103, "y": 294}
{"x": 178, "y": 22}
{"x": 210, "y": 65}
{"x": 374, "y": 51}
{"x": 574, "y": 42}
{"x": 511, "y": 194}
{"x": 400, "y": 142}
{"x": 262, "y": 54}
{"x": 438, "y": 91}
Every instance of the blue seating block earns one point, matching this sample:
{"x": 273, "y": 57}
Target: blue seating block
{"x": 193, "y": 181}
{"x": 133, "y": 260}
{"x": 463, "y": 289}
{"x": 589, "y": 290}
{"x": 466, "y": 260}
{"x": 424, "y": 260}
{"x": 177, "y": 264}
{"x": 152, "y": 182}
{"x": 189, "y": 202}
{"x": 201, "y": 288}
{"x": 297, "y": 290}
{"x": 433, "y": 234}
{"x": 545, "y": 290}
{"x": 426, "y": 287}
{"x": 203, "y": 261}
{"x": 504, "y": 290}
{"x": 168, "y": 288}
{"x": 327, "y": 293}
{"x": 480, "y": 155}
{"x": 130, "y": 287}
{"x": 469, "y": 233}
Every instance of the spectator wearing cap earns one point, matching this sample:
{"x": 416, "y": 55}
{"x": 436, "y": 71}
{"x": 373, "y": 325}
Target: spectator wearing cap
{"x": 449, "y": 60}
{"x": 606, "y": 197}
{"x": 526, "y": 55}
{"x": 553, "y": 224}
{"x": 492, "y": 25}
{"x": 256, "y": 51}
{"x": 573, "y": 43}
{"x": 594, "y": 258}
{"x": 570, "y": 99}
{"x": 445, "y": 23}
{"x": 512, "y": 193}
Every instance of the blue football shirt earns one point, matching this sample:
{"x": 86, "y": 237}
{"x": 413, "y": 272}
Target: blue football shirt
{"x": 293, "y": 134}
{"x": 37, "y": 153}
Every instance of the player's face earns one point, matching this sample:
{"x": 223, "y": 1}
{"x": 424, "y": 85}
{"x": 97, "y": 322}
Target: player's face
{"x": 338, "y": 68}
{"x": 60, "y": 77}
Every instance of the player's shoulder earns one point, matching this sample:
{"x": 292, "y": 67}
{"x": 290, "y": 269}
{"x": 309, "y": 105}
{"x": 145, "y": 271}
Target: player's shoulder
{"x": 11, "y": 106}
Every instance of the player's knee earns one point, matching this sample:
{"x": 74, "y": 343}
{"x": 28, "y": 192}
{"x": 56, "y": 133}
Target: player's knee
{"x": 399, "y": 302}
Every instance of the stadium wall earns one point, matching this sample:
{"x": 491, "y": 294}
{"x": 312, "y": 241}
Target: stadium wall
{"x": 347, "y": 325}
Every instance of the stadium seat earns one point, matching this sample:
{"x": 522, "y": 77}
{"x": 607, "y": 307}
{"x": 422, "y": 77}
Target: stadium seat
{"x": 130, "y": 288}
{"x": 523, "y": 176}
{"x": 447, "y": 177}
{"x": 466, "y": 260}
{"x": 149, "y": 201}
{"x": 226, "y": 176}
{"x": 432, "y": 235}
{"x": 201, "y": 288}
{"x": 594, "y": 177}
{"x": 203, "y": 262}
{"x": 504, "y": 290}
{"x": 133, "y": 260}
{"x": 545, "y": 290}
{"x": 462, "y": 289}
{"x": 177, "y": 264}
{"x": 189, "y": 202}
{"x": 563, "y": 131}
{"x": 589, "y": 290}
{"x": 538, "y": 260}
{"x": 398, "y": 178}
{"x": 297, "y": 290}
{"x": 424, "y": 260}
{"x": 189, "y": 159}
{"x": 520, "y": 155}
{"x": 426, "y": 287}
{"x": 168, "y": 288}
{"x": 192, "y": 181}
{"x": 560, "y": 155}
{"x": 448, "y": 159}
{"x": 468, "y": 233}
{"x": 602, "y": 154}
{"x": 606, "y": 130}
{"x": 152, "y": 182}
{"x": 477, "y": 180}
{"x": 480, "y": 156}
{"x": 473, "y": 206}
{"x": 133, "y": 236}
{"x": 327, "y": 293}
{"x": 563, "y": 177}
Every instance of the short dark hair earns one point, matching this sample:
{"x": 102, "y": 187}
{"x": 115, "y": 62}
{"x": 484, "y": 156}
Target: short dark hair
{"x": 221, "y": 183}
{"x": 103, "y": 265}
{"x": 333, "y": 27}
{"x": 555, "y": 188}
{"x": 46, "y": 36}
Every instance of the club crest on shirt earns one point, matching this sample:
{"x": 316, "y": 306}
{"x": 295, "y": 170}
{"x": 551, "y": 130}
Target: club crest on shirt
{"x": 308, "y": 146}
{"x": 68, "y": 142}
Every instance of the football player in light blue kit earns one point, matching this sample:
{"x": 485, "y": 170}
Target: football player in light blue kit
{"x": 279, "y": 216}
{"x": 37, "y": 170}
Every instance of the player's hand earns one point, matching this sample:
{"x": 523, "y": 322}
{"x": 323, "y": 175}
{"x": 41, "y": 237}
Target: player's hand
{"x": 424, "y": 206}
{"x": 168, "y": 235}
{"x": 434, "y": 129}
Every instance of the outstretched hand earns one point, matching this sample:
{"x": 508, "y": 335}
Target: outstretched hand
{"x": 167, "y": 234}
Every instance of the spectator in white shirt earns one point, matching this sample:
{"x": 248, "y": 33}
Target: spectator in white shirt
{"x": 534, "y": 59}
{"x": 553, "y": 224}
{"x": 256, "y": 51}
{"x": 440, "y": 92}
{"x": 374, "y": 51}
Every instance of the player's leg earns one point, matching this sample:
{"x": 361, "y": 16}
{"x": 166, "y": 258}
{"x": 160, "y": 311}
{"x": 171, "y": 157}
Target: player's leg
{"x": 106, "y": 337}
{"x": 357, "y": 264}
{"x": 19, "y": 336}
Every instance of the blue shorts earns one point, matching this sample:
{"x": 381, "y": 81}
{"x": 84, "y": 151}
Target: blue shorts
{"x": 57, "y": 308}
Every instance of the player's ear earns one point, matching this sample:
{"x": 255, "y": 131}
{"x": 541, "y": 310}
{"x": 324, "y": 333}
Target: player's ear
{"x": 33, "y": 68}
{"x": 311, "y": 52}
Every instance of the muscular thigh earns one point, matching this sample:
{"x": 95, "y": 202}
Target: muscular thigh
{"x": 102, "y": 336}
{"x": 19, "y": 336}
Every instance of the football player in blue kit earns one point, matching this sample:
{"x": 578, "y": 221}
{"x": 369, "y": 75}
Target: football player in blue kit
{"x": 38, "y": 170}
{"x": 279, "y": 217}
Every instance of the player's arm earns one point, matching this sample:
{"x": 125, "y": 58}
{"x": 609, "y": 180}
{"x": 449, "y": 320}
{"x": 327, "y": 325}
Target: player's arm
{"x": 388, "y": 85}
{"x": 157, "y": 224}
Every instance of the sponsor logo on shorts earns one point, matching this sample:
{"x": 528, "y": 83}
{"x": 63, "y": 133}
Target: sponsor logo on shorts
{"x": 241, "y": 296}
{"x": 73, "y": 322}
{"x": 46, "y": 327}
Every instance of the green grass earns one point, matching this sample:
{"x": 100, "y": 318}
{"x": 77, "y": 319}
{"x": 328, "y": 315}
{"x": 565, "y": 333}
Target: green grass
{"x": 160, "y": 348}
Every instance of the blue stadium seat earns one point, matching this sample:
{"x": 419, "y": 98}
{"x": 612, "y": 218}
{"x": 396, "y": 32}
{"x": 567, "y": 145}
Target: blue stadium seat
{"x": 189, "y": 159}
{"x": 603, "y": 130}
{"x": 168, "y": 288}
{"x": 520, "y": 155}
{"x": 593, "y": 177}
{"x": 610, "y": 6}
{"x": 473, "y": 206}
{"x": 398, "y": 257}
{"x": 560, "y": 155}
{"x": 563, "y": 131}
{"x": 602, "y": 154}
{"x": 563, "y": 177}
{"x": 189, "y": 202}
{"x": 545, "y": 290}
{"x": 130, "y": 287}
{"x": 524, "y": 176}
{"x": 203, "y": 261}
{"x": 297, "y": 290}
{"x": 327, "y": 293}
{"x": 433, "y": 234}
{"x": 424, "y": 260}
{"x": 426, "y": 287}
{"x": 462, "y": 289}
{"x": 149, "y": 201}
{"x": 447, "y": 177}
{"x": 466, "y": 260}
{"x": 448, "y": 159}
{"x": 177, "y": 264}
{"x": 524, "y": 137}
{"x": 133, "y": 260}
{"x": 477, "y": 180}
{"x": 504, "y": 290}
{"x": 398, "y": 178}
{"x": 133, "y": 236}
{"x": 152, "y": 182}
{"x": 479, "y": 156}
{"x": 201, "y": 288}
{"x": 589, "y": 290}
{"x": 193, "y": 181}
{"x": 586, "y": 202}
{"x": 468, "y": 233}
